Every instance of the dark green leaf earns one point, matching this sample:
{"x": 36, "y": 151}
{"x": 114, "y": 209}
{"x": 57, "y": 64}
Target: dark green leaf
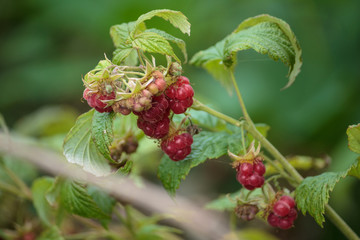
{"x": 207, "y": 145}
{"x": 102, "y": 132}
{"x": 313, "y": 193}
{"x": 153, "y": 43}
{"x": 39, "y": 189}
{"x": 265, "y": 34}
{"x": 80, "y": 149}
{"x": 52, "y": 233}
{"x": 177, "y": 19}
{"x": 353, "y": 133}
{"x": 179, "y": 42}
{"x": 76, "y": 200}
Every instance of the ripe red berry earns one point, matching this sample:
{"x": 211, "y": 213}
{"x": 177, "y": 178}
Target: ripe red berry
{"x": 98, "y": 101}
{"x": 273, "y": 220}
{"x": 180, "y": 95}
{"x": 281, "y": 208}
{"x": 246, "y": 169}
{"x": 241, "y": 178}
{"x": 259, "y": 168}
{"x": 292, "y": 214}
{"x": 289, "y": 200}
{"x": 285, "y": 223}
{"x": 177, "y": 147}
{"x": 156, "y": 130}
{"x": 158, "y": 110}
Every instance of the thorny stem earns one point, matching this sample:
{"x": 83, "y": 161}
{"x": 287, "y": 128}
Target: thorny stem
{"x": 251, "y": 128}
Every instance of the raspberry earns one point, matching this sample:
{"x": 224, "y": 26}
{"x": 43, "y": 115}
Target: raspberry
{"x": 158, "y": 85}
{"x": 285, "y": 223}
{"x": 289, "y": 200}
{"x": 159, "y": 109}
{"x": 180, "y": 95}
{"x": 281, "y": 208}
{"x": 95, "y": 100}
{"x": 259, "y": 168}
{"x": 156, "y": 130}
{"x": 246, "y": 212}
{"x": 273, "y": 220}
{"x": 250, "y": 175}
{"x": 246, "y": 169}
{"x": 282, "y": 215}
{"x": 178, "y": 147}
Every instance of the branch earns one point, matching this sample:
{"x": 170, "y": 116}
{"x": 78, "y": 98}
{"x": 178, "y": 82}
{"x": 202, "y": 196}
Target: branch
{"x": 193, "y": 218}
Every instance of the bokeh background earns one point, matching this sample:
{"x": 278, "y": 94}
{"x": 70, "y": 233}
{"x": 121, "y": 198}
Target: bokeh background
{"x": 46, "y": 46}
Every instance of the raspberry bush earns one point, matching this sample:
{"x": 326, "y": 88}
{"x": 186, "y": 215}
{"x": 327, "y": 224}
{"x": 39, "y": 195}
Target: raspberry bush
{"x": 138, "y": 104}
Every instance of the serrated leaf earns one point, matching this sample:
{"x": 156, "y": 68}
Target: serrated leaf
{"x": 179, "y": 42}
{"x": 313, "y": 193}
{"x": 103, "y": 201}
{"x": 120, "y": 34}
{"x": 120, "y": 55}
{"x": 76, "y": 200}
{"x": 153, "y": 43}
{"x": 176, "y": 18}
{"x": 52, "y": 233}
{"x": 39, "y": 189}
{"x": 207, "y": 145}
{"x": 79, "y": 148}
{"x": 102, "y": 132}
{"x": 353, "y": 133}
{"x": 265, "y": 34}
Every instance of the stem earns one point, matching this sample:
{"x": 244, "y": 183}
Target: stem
{"x": 19, "y": 182}
{"x": 11, "y": 189}
{"x": 340, "y": 223}
{"x": 201, "y": 107}
{"x": 140, "y": 58}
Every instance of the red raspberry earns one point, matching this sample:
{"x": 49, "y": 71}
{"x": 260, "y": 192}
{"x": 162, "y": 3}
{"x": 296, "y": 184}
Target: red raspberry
{"x": 285, "y": 223}
{"x": 251, "y": 175}
{"x": 95, "y": 100}
{"x": 281, "y": 208}
{"x": 289, "y": 200}
{"x": 259, "y": 168}
{"x": 178, "y": 147}
{"x": 180, "y": 95}
{"x": 282, "y": 214}
{"x": 154, "y": 130}
{"x": 159, "y": 110}
{"x": 246, "y": 169}
{"x": 273, "y": 220}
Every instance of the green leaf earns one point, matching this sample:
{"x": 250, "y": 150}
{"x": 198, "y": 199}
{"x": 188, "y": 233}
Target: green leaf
{"x": 103, "y": 201}
{"x": 313, "y": 193}
{"x": 353, "y": 133}
{"x": 76, "y": 200}
{"x": 265, "y": 34}
{"x": 52, "y": 233}
{"x": 102, "y": 132}
{"x": 79, "y": 147}
{"x": 179, "y": 42}
{"x": 177, "y": 19}
{"x": 120, "y": 34}
{"x": 120, "y": 55}
{"x": 154, "y": 43}
{"x": 226, "y": 202}
{"x": 207, "y": 145}
{"x": 39, "y": 189}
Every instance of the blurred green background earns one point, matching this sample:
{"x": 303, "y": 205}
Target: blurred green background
{"x": 46, "y": 46}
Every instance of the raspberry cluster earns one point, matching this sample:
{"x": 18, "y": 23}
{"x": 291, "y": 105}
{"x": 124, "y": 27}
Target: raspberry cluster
{"x": 153, "y": 105}
{"x": 283, "y": 213}
{"x": 250, "y": 175}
